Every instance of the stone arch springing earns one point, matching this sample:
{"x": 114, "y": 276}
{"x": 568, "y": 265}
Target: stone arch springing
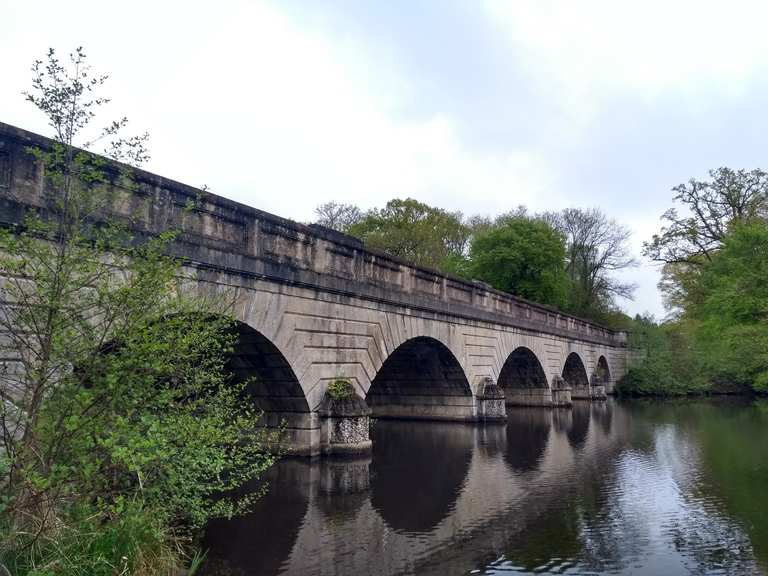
{"x": 272, "y": 383}
{"x": 523, "y": 379}
{"x": 575, "y": 374}
{"x": 421, "y": 379}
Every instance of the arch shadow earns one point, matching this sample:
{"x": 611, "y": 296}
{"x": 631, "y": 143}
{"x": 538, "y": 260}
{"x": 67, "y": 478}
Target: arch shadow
{"x": 523, "y": 380}
{"x": 575, "y": 374}
{"x": 273, "y": 387}
{"x": 261, "y": 540}
{"x": 421, "y": 379}
{"x": 421, "y": 468}
{"x": 527, "y": 438}
{"x": 272, "y": 384}
{"x": 603, "y": 371}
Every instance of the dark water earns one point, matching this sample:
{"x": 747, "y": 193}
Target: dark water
{"x": 604, "y": 488}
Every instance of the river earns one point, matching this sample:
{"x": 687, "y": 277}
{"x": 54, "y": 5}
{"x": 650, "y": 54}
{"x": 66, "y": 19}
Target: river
{"x": 616, "y": 487}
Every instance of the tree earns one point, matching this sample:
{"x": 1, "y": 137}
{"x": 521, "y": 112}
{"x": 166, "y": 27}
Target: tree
{"x": 337, "y": 215}
{"x": 732, "y": 313}
{"x": 417, "y": 232}
{"x": 711, "y": 205}
{"x": 120, "y": 424}
{"x": 596, "y": 248}
{"x": 523, "y": 256}
{"x": 662, "y": 361}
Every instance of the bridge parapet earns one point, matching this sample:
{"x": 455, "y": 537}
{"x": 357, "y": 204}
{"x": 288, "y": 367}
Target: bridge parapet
{"x": 222, "y": 235}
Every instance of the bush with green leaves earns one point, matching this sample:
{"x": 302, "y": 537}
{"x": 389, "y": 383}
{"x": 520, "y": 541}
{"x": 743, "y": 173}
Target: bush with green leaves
{"x": 662, "y": 363}
{"x": 340, "y": 389}
{"x": 122, "y": 431}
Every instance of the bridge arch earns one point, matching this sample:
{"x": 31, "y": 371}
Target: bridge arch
{"x": 421, "y": 378}
{"x": 575, "y": 374}
{"x": 523, "y": 379}
{"x": 602, "y": 370}
{"x": 272, "y": 385}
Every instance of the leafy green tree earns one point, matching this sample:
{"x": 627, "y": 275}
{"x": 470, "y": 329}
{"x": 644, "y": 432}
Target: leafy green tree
{"x": 733, "y": 311}
{"x": 523, "y": 256}
{"x": 121, "y": 428}
{"x": 417, "y": 232}
{"x": 713, "y": 279}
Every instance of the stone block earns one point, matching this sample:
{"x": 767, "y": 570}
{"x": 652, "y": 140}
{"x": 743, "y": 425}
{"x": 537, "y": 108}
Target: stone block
{"x": 491, "y": 405}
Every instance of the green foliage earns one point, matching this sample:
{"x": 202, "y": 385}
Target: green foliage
{"x": 122, "y": 434}
{"x": 132, "y": 540}
{"x": 523, "y": 256}
{"x": 661, "y": 362}
{"x": 341, "y": 389}
{"x": 415, "y": 231}
{"x": 714, "y": 278}
{"x": 733, "y": 313}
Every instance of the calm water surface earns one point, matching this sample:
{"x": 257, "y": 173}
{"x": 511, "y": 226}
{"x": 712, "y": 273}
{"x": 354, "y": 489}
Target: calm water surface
{"x": 604, "y": 488}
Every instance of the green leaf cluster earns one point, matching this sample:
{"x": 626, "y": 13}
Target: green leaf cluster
{"x": 715, "y": 282}
{"x": 409, "y": 229}
{"x": 523, "y": 256}
{"x": 732, "y": 314}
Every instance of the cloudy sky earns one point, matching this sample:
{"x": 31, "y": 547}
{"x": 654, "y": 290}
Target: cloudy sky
{"x": 470, "y": 105}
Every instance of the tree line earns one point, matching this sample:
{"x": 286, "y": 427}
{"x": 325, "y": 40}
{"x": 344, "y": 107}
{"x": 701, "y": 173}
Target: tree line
{"x": 567, "y": 258}
{"x": 713, "y": 248}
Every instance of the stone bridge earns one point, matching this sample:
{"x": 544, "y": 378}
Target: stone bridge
{"x": 315, "y": 305}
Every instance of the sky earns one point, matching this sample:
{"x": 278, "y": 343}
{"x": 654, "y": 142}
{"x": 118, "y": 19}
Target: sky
{"x": 474, "y": 105}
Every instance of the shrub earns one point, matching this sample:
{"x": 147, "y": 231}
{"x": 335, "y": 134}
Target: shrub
{"x": 341, "y": 389}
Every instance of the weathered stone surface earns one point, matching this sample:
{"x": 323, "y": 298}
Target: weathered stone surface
{"x": 314, "y": 304}
{"x": 491, "y": 405}
{"x": 597, "y": 387}
{"x": 345, "y": 425}
{"x": 561, "y": 392}
{"x": 529, "y": 397}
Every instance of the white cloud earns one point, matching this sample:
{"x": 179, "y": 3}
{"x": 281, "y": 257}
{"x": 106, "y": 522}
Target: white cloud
{"x": 594, "y": 48}
{"x": 278, "y": 116}
{"x": 279, "y": 113}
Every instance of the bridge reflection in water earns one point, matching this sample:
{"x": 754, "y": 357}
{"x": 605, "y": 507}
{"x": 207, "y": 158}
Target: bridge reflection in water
{"x": 549, "y": 490}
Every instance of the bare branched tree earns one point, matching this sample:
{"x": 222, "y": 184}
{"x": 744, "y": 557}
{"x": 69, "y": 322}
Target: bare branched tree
{"x": 597, "y": 248}
{"x": 337, "y": 215}
{"x": 711, "y": 206}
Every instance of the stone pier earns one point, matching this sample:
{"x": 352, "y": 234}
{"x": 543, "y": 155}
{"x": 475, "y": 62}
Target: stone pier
{"x": 491, "y": 404}
{"x": 344, "y": 425}
{"x": 561, "y": 392}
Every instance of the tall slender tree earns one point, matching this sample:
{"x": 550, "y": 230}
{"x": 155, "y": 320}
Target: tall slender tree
{"x": 597, "y": 247}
